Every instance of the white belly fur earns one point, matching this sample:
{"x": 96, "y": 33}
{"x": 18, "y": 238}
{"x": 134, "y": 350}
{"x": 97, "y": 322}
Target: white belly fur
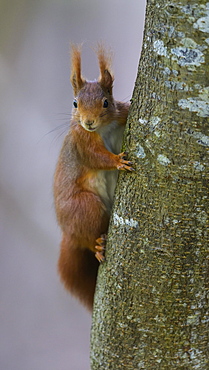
{"x": 105, "y": 182}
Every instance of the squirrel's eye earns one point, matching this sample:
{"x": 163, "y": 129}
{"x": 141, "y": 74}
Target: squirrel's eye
{"x": 105, "y": 104}
{"x": 75, "y": 104}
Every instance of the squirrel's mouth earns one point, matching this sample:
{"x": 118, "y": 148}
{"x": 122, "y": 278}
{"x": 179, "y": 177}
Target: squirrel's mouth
{"x": 90, "y": 128}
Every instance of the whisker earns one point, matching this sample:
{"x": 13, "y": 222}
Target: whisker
{"x": 64, "y": 125}
{"x": 65, "y": 114}
{"x": 55, "y": 139}
{"x": 127, "y": 99}
{"x": 62, "y": 119}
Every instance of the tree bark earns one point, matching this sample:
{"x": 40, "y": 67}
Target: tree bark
{"x": 152, "y": 300}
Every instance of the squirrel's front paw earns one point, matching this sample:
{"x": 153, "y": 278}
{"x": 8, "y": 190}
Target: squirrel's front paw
{"x": 124, "y": 164}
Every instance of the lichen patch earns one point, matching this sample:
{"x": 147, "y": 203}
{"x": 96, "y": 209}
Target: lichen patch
{"x": 159, "y": 48}
{"x": 120, "y": 221}
{"x": 187, "y": 56}
{"x": 202, "y": 23}
{"x": 162, "y": 159}
{"x": 196, "y": 105}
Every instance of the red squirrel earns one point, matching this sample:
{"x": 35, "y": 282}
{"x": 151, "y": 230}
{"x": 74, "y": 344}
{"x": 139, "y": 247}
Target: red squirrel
{"x": 86, "y": 175}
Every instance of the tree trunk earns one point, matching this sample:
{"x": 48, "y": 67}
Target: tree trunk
{"x": 152, "y": 300}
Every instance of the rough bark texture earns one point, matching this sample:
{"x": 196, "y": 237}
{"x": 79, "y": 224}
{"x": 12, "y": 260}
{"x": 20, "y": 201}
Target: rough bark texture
{"x": 152, "y": 301}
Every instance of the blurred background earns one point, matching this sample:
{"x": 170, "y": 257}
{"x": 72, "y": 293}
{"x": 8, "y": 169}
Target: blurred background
{"x": 41, "y": 326}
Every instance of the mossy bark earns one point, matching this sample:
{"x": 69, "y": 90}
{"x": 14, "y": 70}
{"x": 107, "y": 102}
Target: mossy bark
{"x": 152, "y": 300}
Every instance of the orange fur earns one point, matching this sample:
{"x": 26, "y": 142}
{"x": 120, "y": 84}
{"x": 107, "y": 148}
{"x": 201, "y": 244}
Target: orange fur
{"x": 106, "y": 76}
{"x": 86, "y": 175}
{"x": 76, "y": 78}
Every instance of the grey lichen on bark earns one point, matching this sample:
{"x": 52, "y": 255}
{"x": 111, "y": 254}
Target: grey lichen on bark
{"x": 152, "y": 300}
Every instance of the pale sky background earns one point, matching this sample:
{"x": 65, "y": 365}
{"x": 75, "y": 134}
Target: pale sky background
{"x": 41, "y": 326}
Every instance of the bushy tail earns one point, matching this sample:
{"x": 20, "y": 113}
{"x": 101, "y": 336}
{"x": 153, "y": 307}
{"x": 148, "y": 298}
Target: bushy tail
{"x": 78, "y": 270}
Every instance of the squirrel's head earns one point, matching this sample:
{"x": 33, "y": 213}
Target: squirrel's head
{"x": 93, "y": 103}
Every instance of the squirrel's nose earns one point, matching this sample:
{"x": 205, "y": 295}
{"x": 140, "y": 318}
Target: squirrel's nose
{"x": 89, "y": 123}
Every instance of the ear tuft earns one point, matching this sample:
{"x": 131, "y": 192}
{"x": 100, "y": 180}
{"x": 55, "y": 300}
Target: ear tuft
{"x": 106, "y": 77}
{"x": 76, "y": 78}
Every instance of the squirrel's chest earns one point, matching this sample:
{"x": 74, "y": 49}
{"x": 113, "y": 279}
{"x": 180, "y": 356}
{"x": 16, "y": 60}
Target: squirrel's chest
{"x": 103, "y": 183}
{"x": 112, "y": 136}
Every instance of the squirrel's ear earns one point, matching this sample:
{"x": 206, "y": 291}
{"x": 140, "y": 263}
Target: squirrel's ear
{"x": 76, "y": 79}
{"x": 106, "y": 77}
{"x": 106, "y": 80}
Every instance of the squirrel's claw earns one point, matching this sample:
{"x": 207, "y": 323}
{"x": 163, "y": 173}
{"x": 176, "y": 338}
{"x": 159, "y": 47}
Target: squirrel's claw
{"x": 99, "y": 256}
{"x": 100, "y": 247}
{"x": 124, "y": 163}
